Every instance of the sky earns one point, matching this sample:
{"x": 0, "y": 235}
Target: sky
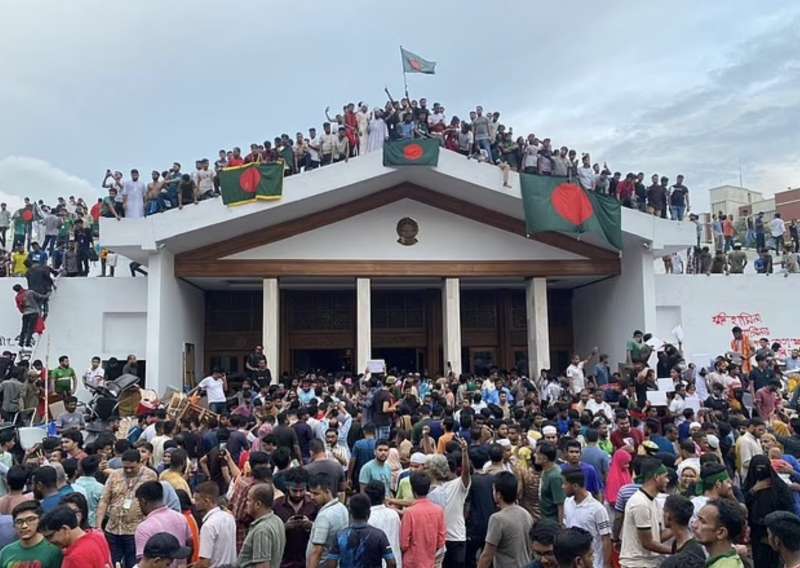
{"x": 698, "y": 88}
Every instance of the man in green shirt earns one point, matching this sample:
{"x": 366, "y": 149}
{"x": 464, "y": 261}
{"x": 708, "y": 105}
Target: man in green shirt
{"x": 636, "y": 349}
{"x": 64, "y": 377}
{"x": 718, "y": 524}
{"x": 31, "y": 549}
{"x": 551, "y": 485}
{"x": 266, "y": 538}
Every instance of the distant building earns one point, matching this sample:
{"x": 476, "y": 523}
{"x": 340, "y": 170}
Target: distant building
{"x": 787, "y": 203}
{"x": 739, "y": 201}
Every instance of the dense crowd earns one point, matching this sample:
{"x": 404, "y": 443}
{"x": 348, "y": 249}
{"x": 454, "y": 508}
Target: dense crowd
{"x": 659, "y": 462}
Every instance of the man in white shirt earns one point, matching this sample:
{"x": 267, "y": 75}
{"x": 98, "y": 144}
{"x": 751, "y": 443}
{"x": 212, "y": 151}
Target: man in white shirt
{"x": 776, "y": 228}
{"x": 584, "y": 511}
{"x": 575, "y": 374}
{"x": 218, "y": 531}
{"x": 586, "y": 176}
{"x": 597, "y": 405}
{"x": 641, "y": 526}
{"x": 203, "y": 179}
{"x": 133, "y": 192}
{"x": 215, "y": 386}
{"x": 384, "y": 518}
{"x": 95, "y": 375}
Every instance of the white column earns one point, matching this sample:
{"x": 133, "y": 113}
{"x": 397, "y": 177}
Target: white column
{"x": 270, "y": 332}
{"x": 537, "y": 319}
{"x": 363, "y": 323}
{"x": 451, "y": 325}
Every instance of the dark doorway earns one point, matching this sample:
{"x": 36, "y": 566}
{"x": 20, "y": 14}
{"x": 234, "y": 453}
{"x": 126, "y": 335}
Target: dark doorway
{"x": 402, "y": 359}
{"x": 325, "y": 360}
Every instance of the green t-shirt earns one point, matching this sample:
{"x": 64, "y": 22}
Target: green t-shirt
{"x": 66, "y": 228}
{"x": 551, "y": 492}
{"x": 62, "y": 379}
{"x": 729, "y": 560}
{"x": 43, "y": 555}
{"x": 20, "y": 226}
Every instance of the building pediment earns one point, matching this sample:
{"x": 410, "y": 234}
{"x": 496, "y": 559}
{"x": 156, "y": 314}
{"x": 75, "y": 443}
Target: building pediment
{"x": 446, "y": 237}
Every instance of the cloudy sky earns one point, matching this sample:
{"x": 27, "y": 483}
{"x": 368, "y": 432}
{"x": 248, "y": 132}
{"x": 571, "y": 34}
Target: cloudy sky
{"x": 681, "y": 87}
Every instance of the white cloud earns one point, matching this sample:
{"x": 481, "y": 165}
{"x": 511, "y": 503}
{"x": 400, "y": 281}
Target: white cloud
{"x": 22, "y": 176}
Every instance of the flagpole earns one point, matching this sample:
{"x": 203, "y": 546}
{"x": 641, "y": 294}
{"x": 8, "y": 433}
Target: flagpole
{"x": 405, "y": 78}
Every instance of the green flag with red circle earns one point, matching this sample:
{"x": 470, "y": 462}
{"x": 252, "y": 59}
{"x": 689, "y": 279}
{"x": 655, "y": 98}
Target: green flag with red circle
{"x": 558, "y": 204}
{"x": 417, "y": 152}
{"x": 251, "y": 182}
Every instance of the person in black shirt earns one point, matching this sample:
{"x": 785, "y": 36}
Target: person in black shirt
{"x": 762, "y": 375}
{"x": 285, "y": 437}
{"x": 253, "y": 362}
{"x": 84, "y": 239}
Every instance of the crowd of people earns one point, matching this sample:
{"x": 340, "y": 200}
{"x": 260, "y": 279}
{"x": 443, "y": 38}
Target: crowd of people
{"x": 355, "y": 131}
{"x": 730, "y": 242}
{"x": 577, "y": 467}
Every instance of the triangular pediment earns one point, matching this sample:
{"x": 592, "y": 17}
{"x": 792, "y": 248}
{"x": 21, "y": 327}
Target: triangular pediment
{"x": 432, "y": 235}
{"x": 452, "y": 237}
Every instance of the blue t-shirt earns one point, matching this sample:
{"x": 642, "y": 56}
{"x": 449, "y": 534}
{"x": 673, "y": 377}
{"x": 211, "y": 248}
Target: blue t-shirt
{"x": 594, "y": 484}
{"x": 360, "y": 546}
{"x": 363, "y": 451}
{"x": 51, "y": 502}
{"x": 663, "y": 444}
{"x": 375, "y": 471}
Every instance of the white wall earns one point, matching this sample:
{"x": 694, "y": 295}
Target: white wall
{"x": 605, "y": 314}
{"x": 87, "y": 317}
{"x": 704, "y": 306}
{"x": 175, "y": 316}
{"x": 442, "y": 236}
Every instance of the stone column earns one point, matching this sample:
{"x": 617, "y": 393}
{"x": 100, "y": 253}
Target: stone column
{"x": 270, "y": 330}
{"x": 451, "y": 325}
{"x": 363, "y": 323}
{"x": 537, "y": 320}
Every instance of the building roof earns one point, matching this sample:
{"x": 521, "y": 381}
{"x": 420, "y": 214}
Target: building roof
{"x": 457, "y": 177}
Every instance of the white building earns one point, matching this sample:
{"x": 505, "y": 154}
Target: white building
{"x": 320, "y": 279}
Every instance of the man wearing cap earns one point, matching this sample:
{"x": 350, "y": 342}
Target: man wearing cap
{"x": 161, "y": 550}
{"x": 783, "y": 535}
{"x": 405, "y": 496}
{"x": 641, "y": 527}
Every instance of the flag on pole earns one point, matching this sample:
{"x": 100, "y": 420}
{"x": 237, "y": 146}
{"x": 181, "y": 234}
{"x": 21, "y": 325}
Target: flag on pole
{"x": 556, "y": 204}
{"x": 250, "y": 182}
{"x": 413, "y": 63}
{"x": 419, "y": 152}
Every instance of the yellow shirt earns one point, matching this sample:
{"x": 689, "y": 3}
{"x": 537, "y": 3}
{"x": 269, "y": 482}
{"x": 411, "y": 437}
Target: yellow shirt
{"x": 176, "y": 480}
{"x": 18, "y": 263}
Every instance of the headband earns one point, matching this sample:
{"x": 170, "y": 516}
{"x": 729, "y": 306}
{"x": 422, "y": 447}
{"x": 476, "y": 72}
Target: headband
{"x": 705, "y": 484}
{"x": 647, "y": 476}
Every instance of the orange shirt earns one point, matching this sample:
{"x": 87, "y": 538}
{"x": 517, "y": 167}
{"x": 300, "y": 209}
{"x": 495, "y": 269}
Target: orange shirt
{"x": 444, "y": 439}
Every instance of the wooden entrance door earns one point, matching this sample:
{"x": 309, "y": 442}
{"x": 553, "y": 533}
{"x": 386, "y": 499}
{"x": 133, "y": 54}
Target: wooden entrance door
{"x": 481, "y": 359}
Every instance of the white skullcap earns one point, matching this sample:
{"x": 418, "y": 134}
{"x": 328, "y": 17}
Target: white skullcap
{"x": 505, "y": 442}
{"x": 418, "y": 458}
{"x": 549, "y": 430}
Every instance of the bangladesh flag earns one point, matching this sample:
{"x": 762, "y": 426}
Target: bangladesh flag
{"x": 420, "y": 152}
{"x": 413, "y": 63}
{"x": 247, "y": 183}
{"x": 556, "y": 204}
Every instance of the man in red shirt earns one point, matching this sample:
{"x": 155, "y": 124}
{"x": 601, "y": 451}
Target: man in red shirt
{"x": 625, "y": 190}
{"x": 236, "y": 159}
{"x": 422, "y": 530}
{"x": 81, "y": 549}
{"x": 624, "y": 435}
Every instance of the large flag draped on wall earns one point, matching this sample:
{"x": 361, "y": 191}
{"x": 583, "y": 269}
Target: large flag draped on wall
{"x": 417, "y": 152}
{"x": 251, "y": 182}
{"x": 556, "y": 204}
{"x": 413, "y": 63}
